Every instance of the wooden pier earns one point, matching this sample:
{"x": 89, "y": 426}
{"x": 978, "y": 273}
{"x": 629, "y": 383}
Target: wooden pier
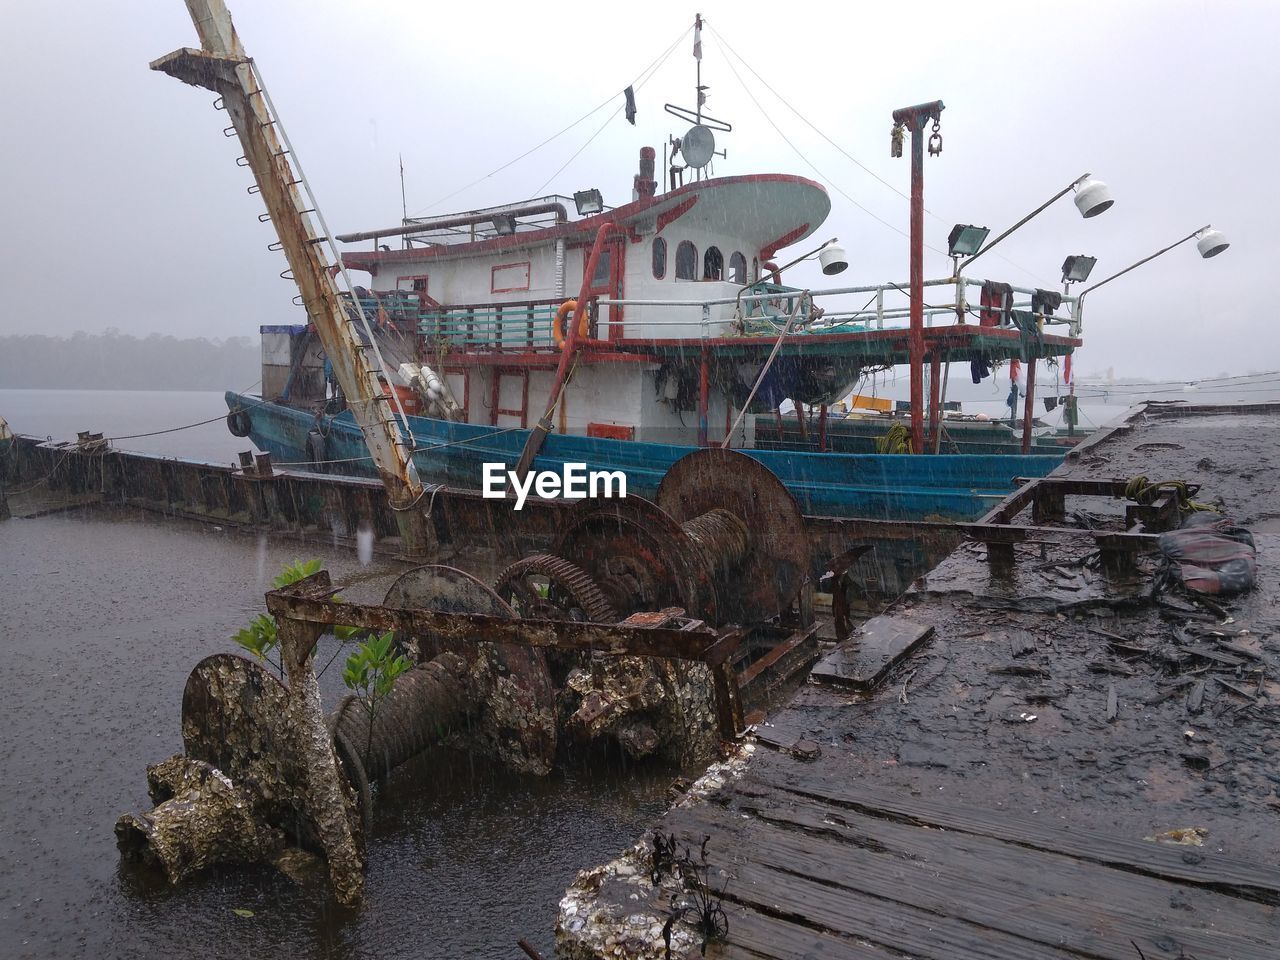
{"x": 1052, "y": 764}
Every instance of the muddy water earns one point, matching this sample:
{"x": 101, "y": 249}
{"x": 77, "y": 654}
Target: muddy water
{"x": 104, "y": 616}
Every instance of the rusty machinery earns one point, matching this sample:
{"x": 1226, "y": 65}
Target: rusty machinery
{"x": 640, "y": 627}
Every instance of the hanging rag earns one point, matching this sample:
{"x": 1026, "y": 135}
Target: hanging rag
{"x": 979, "y": 369}
{"x": 996, "y": 300}
{"x": 1045, "y": 301}
{"x": 1029, "y": 330}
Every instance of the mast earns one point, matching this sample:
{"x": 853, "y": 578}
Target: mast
{"x": 223, "y": 67}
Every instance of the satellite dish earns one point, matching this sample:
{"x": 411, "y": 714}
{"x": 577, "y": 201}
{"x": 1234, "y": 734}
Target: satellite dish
{"x": 698, "y": 146}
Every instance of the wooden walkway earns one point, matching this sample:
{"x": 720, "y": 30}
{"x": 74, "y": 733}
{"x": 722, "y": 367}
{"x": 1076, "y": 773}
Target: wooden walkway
{"x": 817, "y": 869}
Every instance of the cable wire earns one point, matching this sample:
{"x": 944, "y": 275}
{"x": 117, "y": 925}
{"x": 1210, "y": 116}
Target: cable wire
{"x": 594, "y": 110}
{"x": 638, "y": 83}
{"x": 842, "y": 150}
{"x": 764, "y": 113}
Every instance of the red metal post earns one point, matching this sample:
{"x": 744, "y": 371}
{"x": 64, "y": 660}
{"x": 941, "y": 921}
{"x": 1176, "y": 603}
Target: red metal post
{"x": 704, "y": 396}
{"x": 915, "y": 118}
{"x": 540, "y": 430}
{"x": 1028, "y": 408}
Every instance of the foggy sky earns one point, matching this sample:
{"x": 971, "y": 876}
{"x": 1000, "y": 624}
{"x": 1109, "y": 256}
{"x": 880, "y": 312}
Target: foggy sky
{"x": 123, "y": 206}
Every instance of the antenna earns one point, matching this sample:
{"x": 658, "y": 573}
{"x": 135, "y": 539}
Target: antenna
{"x": 404, "y": 206}
{"x": 698, "y": 146}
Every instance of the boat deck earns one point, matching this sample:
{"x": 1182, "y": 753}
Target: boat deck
{"x": 1012, "y": 784}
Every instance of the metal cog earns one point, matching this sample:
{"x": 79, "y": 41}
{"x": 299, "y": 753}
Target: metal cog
{"x": 571, "y": 592}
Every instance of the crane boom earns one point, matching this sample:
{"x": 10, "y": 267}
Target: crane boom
{"x": 223, "y": 66}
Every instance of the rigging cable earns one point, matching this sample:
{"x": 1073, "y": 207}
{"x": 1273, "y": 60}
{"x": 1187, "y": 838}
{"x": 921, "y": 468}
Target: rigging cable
{"x": 786, "y": 103}
{"x": 594, "y": 110}
{"x": 764, "y": 113}
{"x": 640, "y": 81}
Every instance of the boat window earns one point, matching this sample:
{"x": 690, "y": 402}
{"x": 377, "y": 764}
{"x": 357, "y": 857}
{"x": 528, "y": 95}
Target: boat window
{"x": 738, "y": 268}
{"x": 601, "y": 276}
{"x": 659, "y": 258}
{"x": 713, "y": 264}
{"x": 686, "y": 261}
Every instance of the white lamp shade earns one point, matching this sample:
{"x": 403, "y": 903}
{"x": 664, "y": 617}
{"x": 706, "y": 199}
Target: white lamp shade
{"x": 1093, "y": 197}
{"x": 833, "y": 259}
{"x": 1211, "y": 243}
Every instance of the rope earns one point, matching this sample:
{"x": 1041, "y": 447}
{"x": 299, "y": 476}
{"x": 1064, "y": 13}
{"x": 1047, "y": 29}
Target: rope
{"x": 1143, "y": 491}
{"x": 896, "y": 440}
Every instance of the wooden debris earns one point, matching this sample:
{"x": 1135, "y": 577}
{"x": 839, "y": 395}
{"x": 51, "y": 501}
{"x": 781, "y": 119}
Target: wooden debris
{"x": 1115, "y": 669}
{"x": 1020, "y": 670}
{"x": 1237, "y": 690}
{"x": 863, "y": 661}
{"x": 1195, "y": 699}
{"x": 1022, "y": 643}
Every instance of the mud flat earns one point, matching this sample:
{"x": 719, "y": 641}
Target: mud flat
{"x": 1063, "y": 766}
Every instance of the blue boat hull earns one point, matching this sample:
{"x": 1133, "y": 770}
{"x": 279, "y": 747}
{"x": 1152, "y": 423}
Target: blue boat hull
{"x": 870, "y": 486}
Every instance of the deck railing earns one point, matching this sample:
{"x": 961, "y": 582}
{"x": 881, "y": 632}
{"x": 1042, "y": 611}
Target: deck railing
{"x": 763, "y": 309}
{"x": 519, "y": 326}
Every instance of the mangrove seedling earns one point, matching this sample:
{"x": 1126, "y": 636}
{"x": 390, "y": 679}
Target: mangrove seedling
{"x": 260, "y": 637}
{"x": 371, "y": 671}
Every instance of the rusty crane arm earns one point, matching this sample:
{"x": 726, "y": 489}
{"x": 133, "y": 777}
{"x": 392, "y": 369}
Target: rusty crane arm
{"x": 223, "y": 67}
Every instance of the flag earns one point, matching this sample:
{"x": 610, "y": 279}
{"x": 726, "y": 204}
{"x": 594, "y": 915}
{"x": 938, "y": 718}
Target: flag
{"x": 697, "y": 37}
{"x": 630, "y": 94}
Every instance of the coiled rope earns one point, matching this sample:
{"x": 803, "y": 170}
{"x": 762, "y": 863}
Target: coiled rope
{"x": 896, "y": 440}
{"x": 1143, "y": 491}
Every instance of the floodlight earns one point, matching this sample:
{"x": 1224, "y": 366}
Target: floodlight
{"x": 1211, "y": 243}
{"x": 965, "y": 240}
{"x": 833, "y": 259}
{"x": 1076, "y": 269}
{"x": 588, "y": 202}
{"x": 1092, "y": 196}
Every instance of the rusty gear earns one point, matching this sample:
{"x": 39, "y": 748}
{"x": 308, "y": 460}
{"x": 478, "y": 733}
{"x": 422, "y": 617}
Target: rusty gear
{"x": 571, "y": 593}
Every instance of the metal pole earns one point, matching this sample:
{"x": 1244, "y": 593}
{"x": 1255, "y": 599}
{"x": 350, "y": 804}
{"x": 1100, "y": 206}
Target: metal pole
{"x": 1034, "y": 213}
{"x": 1028, "y": 408}
{"x": 1133, "y": 266}
{"x": 704, "y": 396}
{"x": 916, "y": 346}
{"x": 916, "y": 117}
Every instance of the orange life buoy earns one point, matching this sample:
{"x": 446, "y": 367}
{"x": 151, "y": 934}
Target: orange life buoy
{"x": 557, "y": 325}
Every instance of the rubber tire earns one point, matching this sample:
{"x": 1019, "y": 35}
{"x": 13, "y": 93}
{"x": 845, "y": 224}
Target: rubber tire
{"x": 239, "y": 423}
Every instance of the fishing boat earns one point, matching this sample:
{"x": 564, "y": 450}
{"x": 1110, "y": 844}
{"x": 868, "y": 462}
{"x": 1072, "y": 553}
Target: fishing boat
{"x": 624, "y": 337}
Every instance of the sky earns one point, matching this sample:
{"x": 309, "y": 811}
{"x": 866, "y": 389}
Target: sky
{"x": 123, "y": 206}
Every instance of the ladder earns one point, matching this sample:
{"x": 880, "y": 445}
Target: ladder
{"x": 223, "y": 67}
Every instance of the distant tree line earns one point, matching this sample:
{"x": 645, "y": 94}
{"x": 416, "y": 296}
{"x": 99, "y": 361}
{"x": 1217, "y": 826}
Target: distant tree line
{"x": 115, "y": 361}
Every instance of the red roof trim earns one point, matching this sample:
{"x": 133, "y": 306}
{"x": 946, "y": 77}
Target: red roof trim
{"x": 769, "y": 249}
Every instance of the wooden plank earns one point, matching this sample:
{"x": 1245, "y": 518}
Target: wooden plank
{"x": 1039, "y": 877}
{"x": 863, "y": 660}
{"x": 1024, "y": 905}
{"x": 897, "y": 927}
{"x": 1254, "y": 881}
{"x": 780, "y": 650}
{"x": 753, "y": 934}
